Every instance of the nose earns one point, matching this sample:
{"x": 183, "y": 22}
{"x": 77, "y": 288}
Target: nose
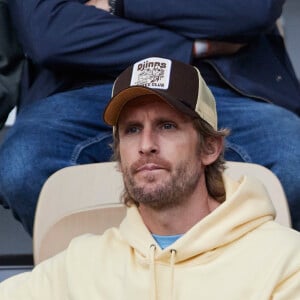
{"x": 148, "y": 143}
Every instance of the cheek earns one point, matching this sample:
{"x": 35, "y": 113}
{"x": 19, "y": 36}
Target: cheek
{"x": 126, "y": 152}
{"x": 185, "y": 146}
{"x": 191, "y": 151}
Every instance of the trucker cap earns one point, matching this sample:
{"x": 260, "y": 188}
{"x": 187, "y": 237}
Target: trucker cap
{"x": 179, "y": 84}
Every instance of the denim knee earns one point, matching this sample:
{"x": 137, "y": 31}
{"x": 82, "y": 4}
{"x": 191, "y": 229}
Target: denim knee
{"x": 286, "y": 166}
{"x": 30, "y": 154}
{"x": 20, "y": 177}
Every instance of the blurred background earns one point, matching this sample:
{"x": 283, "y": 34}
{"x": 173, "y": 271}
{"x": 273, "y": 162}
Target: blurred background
{"x": 291, "y": 25}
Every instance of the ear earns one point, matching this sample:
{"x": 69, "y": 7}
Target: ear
{"x": 213, "y": 149}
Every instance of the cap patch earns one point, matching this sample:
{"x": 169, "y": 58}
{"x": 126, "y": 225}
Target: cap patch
{"x": 153, "y": 73}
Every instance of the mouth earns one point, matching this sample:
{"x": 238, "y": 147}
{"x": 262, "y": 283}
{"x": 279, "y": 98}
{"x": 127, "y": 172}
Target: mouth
{"x": 148, "y": 167}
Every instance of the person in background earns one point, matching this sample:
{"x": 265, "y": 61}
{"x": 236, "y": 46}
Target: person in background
{"x": 188, "y": 228}
{"x": 11, "y": 61}
{"x": 75, "y": 50}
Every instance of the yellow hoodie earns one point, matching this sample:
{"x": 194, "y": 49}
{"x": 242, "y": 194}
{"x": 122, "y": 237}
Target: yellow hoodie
{"x": 235, "y": 253}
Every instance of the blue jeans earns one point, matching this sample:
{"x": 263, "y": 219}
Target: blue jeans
{"x": 63, "y": 130}
{"x": 264, "y": 134}
{"x": 67, "y": 129}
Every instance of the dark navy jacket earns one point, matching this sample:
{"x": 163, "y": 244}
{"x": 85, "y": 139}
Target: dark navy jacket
{"x": 11, "y": 58}
{"x": 70, "y": 45}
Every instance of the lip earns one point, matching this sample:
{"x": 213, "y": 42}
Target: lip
{"x": 149, "y": 167}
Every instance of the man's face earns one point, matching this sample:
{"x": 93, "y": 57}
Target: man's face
{"x": 159, "y": 153}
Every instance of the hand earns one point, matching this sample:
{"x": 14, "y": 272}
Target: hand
{"x": 100, "y": 4}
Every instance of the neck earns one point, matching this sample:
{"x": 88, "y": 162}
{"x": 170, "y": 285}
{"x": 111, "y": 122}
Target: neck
{"x": 179, "y": 219}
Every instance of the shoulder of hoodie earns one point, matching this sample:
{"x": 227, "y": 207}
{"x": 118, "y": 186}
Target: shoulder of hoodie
{"x": 281, "y": 247}
{"x": 283, "y": 240}
{"x": 97, "y": 244}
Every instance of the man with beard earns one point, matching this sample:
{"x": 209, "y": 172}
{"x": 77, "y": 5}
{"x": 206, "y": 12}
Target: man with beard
{"x": 190, "y": 232}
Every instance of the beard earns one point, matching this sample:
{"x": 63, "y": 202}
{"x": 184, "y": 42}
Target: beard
{"x": 171, "y": 192}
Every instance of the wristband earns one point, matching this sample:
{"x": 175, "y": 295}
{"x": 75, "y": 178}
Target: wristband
{"x": 112, "y": 6}
{"x": 200, "y": 48}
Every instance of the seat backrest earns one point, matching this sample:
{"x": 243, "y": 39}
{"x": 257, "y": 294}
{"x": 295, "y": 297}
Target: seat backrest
{"x": 86, "y": 199}
{"x": 73, "y": 201}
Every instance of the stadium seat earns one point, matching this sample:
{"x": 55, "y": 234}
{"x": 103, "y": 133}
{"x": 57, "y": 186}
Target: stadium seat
{"x": 86, "y": 199}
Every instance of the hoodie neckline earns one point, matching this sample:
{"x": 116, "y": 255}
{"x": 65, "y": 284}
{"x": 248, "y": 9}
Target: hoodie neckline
{"x": 246, "y": 207}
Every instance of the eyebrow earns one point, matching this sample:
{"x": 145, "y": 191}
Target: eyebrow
{"x": 157, "y": 120}
{"x": 129, "y": 123}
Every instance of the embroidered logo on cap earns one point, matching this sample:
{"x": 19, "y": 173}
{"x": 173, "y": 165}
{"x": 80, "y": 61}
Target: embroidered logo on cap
{"x": 152, "y": 72}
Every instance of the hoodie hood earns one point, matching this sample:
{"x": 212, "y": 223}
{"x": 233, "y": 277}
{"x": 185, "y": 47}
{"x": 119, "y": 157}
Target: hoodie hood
{"x": 246, "y": 207}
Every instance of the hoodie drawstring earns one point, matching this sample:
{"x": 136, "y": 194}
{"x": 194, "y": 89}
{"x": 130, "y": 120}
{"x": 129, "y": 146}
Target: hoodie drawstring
{"x": 172, "y": 264}
{"x": 153, "y": 286}
{"x": 152, "y": 273}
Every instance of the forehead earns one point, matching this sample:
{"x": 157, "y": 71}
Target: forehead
{"x": 149, "y": 105}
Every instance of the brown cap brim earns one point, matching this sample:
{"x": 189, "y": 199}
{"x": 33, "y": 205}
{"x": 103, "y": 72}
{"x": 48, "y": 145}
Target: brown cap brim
{"x": 117, "y": 103}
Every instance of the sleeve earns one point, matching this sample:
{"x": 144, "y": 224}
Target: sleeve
{"x": 11, "y": 59}
{"x": 201, "y": 19}
{"x": 286, "y": 272}
{"x": 69, "y": 34}
{"x": 288, "y": 289}
{"x": 47, "y": 281}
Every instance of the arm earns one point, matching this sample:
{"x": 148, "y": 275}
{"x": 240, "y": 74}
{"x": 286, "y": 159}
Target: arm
{"x": 202, "y": 19}
{"x": 201, "y": 48}
{"x": 47, "y": 281}
{"x": 288, "y": 289}
{"x": 72, "y": 35}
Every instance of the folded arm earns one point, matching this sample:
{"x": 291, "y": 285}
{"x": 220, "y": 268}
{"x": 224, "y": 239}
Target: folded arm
{"x": 73, "y": 35}
{"x": 202, "y": 47}
{"x": 232, "y": 20}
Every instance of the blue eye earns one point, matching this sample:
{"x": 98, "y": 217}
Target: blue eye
{"x": 168, "y": 126}
{"x": 132, "y": 129}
